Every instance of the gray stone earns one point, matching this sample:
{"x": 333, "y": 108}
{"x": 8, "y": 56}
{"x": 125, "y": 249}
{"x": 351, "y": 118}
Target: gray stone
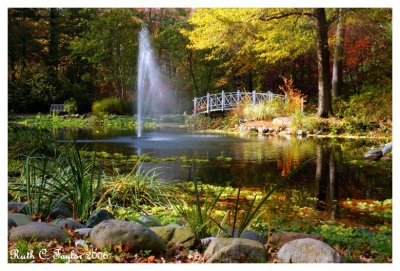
{"x": 172, "y": 234}
{"x": 66, "y": 223}
{"x": 387, "y": 148}
{"x": 278, "y": 239}
{"x": 16, "y": 207}
{"x": 235, "y": 250}
{"x": 134, "y": 236}
{"x": 249, "y": 235}
{"x": 60, "y": 209}
{"x": 282, "y": 121}
{"x": 300, "y": 132}
{"x": 11, "y": 223}
{"x": 308, "y": 251}
{"x": 99, "y": 216}
{"x": 83, "y": 231}
{"x": 20, "y": 219}
{"x": 38, "y": 231}
{"x": 373, "y": 155}
{"x": 263, "y": 130}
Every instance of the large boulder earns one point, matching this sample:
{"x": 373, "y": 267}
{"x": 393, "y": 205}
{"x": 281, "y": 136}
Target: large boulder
{"x": 11, "y": 223}
{"x": 249, "y": 235}
{"x": 173, "y": 234}
{"x": 66, "y": 223}
{"x": 20, "y": 219}
{"x": 278, "y": 239}
{"x": 387, "y": 148}
{"x": 60, "y": 210}
{"x": 308, "y": 251}
{"x": 235, "y": 250}
{"x": 373, "y": 155}
{"x": 283, "y": 122}
{"x": 16, "y": 207}
{"x": 38, "y": 231}
{"x": 99, "y": 216}
{"x": 134, "y": 236}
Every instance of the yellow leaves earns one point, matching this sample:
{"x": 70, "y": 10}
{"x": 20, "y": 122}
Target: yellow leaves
{"x": 249, "y": 32}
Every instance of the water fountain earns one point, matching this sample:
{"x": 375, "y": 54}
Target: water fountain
{"x": 149, "y": 83}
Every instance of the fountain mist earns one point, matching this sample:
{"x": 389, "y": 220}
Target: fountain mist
{"x": 149, "y": 84}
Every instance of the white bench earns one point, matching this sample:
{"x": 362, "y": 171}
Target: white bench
{"x": 56, "y": 108}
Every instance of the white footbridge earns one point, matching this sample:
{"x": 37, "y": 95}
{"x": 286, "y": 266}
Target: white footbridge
{"x": 230, "y": 100}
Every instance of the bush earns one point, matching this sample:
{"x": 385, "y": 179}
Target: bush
{"x": 374, "y": 105}
{"x": 303, "y": 122}
{"x": 108, "y": 106}
{"x": 70, "y": 106}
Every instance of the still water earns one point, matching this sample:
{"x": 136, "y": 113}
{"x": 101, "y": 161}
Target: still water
{"x": 252, "y": 161}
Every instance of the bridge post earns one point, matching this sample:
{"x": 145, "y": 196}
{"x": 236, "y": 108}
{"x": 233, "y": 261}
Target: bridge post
{"x": 223, "y": 101}
{"x": 195, "y": 106}
{"x": 238, "y": 96}
{"x": 254, "y": 97}
{"x": 302, "y": 105}
{"x": 270, "y": 95}
{"x": 208, "y": 102}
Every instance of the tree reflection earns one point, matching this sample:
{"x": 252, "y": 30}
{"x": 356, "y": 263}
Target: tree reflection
{"x": 327, "y": 178}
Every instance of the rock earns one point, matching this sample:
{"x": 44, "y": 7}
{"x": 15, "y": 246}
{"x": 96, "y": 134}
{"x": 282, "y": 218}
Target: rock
{"x": 373, "y": 155}
{"x": 387, "y": 148}
{"x": 282, "y": 121}
{"x": 38, "y": 231}
{"x": 16, "y": 207}
{"x": 83, "y": 231}
{"x": 172, "y": 234}
{"x": 249, "y": 235}
{"x": 278, "y": 239}
{"x": 66, "y": 223}
{"x": 300, "y": 132}
{"x": 262, "y": 130}
{"x": 235, "y": 250}
{"x": 11, "y": 223}
{"x": 253, "y": 129}
{"x": 308, "y": 251}
{"x": 20, "y": 219}
{"x": 60, "y": 209}
{"x": 319, "y": 132}
{"x": 149, "y": 221}
{"x": 134, "y": 236}
{"x": 98, "y": 217}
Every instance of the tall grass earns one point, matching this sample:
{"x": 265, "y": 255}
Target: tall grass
{"x": 266, "y": 110}
{"x": 135, "y": 189}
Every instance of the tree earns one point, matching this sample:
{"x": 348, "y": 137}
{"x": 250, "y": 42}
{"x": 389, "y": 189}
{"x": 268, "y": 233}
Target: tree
{"x": 337, "y": 71}
{"x": 324, "y": 93}
{"x": 110, "y": 45}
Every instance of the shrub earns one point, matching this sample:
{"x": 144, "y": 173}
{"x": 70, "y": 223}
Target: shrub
{"x": 108, "y": 106}
{"x": 301, "y": 121}
{"x": 70, "y": 106}
{"x": 294, "y": 95}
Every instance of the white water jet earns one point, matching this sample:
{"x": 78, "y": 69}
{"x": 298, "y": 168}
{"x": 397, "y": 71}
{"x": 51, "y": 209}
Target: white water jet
{"x": 149, "y": 84}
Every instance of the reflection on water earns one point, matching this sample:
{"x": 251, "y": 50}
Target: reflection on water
{"x": 254, "y": 161}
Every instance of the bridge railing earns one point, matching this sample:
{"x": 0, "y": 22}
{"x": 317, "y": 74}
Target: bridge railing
{"x": 230, "y": 100}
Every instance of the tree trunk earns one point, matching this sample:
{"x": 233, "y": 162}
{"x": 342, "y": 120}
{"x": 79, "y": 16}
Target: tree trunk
{"x": 53, "y": 60}
{"x": 324, "y": 94}
{"x": 249, "y": 81}
{"x": 337, "y": 73}
{"x": 191, "y": 71}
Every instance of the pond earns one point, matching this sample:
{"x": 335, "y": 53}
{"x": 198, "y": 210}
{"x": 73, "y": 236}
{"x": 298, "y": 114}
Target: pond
{"x": 252, "y": 161}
